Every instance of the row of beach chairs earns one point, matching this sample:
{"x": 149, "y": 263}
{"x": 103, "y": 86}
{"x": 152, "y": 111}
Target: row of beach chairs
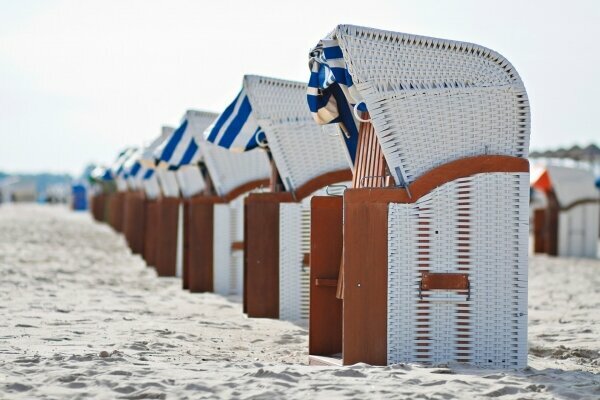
{"x": 391, "y": 211}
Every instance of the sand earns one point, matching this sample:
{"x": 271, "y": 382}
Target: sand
{"x": 80, "y": 316}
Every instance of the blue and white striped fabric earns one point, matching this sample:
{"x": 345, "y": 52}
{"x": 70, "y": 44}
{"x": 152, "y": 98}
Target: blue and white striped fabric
{"x": 118, "y": 168}
{"x": 236, "y": 128}
{"x": 179, "y": 149}
{"x": 331, "y": 94}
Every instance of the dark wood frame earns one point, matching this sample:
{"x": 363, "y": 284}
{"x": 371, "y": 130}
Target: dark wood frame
{"x": 134, "y": 220}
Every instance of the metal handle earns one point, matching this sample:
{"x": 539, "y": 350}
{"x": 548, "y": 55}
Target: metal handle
{"x": 355, "y": 108}
{"x": 335, "y": 186}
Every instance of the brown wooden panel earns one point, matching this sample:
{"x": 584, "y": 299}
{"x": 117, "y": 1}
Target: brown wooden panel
{"x": 237, "y": 246}
{"x": 261, "y": 270}
{"x": 245, "y": 267}
{"x": 325, "y": 317}
{"x": 551, "y": 225}
{"x": 166, "y": 243}
{"x": 186, "y": 245}
{"x": 151, "y": 231}
{"x": 97, "y": 206}
{"x": 134, "y": 221}
{"x": 200, "y": 273}
{"x": 117, "y": 211}
{"x": 539, "y": 227}
{"x": 365, "y": 282}
{"x": 446, "y": 281}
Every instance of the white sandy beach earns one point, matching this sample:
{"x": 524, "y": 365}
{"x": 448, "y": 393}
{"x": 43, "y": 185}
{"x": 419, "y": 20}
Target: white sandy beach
{"x": 80, "y": 316}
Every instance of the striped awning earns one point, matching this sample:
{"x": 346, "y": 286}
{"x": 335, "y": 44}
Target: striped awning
{"x": 181, "y": 147}
{"x": 99, "y": 174}
{"x": 118, "y": 167}
{"x": 331, "y": 94}
{"x": 236, "y": 128}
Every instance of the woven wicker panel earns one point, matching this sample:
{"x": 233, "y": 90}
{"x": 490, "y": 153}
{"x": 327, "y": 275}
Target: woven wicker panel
{"x": 221, "y": 249}
{"x": 236, "y": 260}
{"x": 151, "y": 187}
{"x": 302, "y": 150}
{"x": 433, "y": 100}
{"x": 228, "y": 170}
{"x": 190, "y": 180}
{"x": 578, "y": 231}
{"x": 476, "y": 226}
{"x": 168, "y": 182}
{"x": 290, "y": 261}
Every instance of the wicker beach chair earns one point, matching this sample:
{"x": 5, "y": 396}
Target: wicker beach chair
{"x": 134, "y": 202}
{"x": 304, "y": 160}
{"x": 212, "y": 222}
{"x": 567, "y": 224}
{"x": 435, "y": 229}
{"x": 102, "y": 186}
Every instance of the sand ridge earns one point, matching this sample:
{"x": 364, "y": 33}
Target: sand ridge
{"x": 80, "y": 316}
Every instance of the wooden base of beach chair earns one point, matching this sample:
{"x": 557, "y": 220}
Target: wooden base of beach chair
{"x": 151, "y": 219}
{"x": 133, "y": 221}
{"x": 358, "y": 329}
{"x": 325, "y": 317}
{"x": 115, "y": 214}
{"x": 261, "y": 249}
{"x": 166, "y": 242}
{"x": 97, "y": 204}
{"x": 199, "y": 269}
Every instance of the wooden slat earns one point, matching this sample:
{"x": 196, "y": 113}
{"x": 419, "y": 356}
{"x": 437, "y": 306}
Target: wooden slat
{"x": 551, "y": 225}
{"x": 185, "y": 280}
{"x": 150, "y": 231}
{"x": 325, "y": 314}
{"x": 133, "y": 221}
{"x": 261, "y": 277}
{"x": 365, "y": 282}
{"x": 539, "y": 227}
{"x": 370, "y": 161}
{"x": 201, "y": 237}
{"x": 166, "y": 243}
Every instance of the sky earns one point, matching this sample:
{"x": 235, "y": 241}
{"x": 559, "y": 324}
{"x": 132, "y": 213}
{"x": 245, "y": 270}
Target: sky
{"x": 81, "y": 79}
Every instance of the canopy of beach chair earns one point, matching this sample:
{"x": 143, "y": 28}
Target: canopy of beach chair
{"x": 180, "y": 147}
{"x": 424, "y": 115}
{"x": 237, "y": 128}
{"x": 272, "y": 113}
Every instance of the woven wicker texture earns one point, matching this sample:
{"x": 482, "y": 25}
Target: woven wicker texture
{"x": 190, "y": 180}
{"x": 302, "y": 150}
{"x": 294, "y": 242}
{"x": 228, "y": 264}
{"x": 168, "y": 182}
{"x": 432, "y": 101}
{"x": 151, "y": 187}
{"x": 476, "y": 226}
{"x": 229, "y": 170}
